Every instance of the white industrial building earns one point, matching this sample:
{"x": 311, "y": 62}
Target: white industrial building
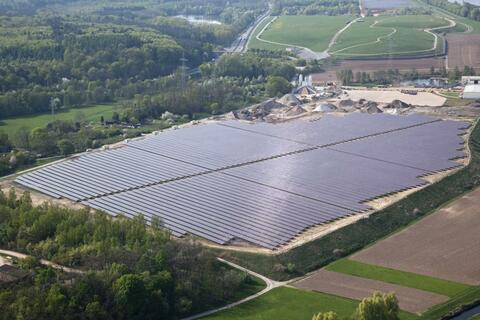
{"x": 472, "y": 87}
{"x": 471, "y": 91}
{"x": 466, "y": 80}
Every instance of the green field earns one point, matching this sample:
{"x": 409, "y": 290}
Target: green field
{"x": 292, "y": 304}
{"x": 313, "y": 32}
{"x": 257, "y": 44}
{"x": 402, "y": 278}
{"x": 91, "y": 113}
{"x": 387, "y": 35}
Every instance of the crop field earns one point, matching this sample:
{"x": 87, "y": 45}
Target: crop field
{"x": 92, "y": 113}
{"x": 313, "y": 32}
{"x": 396, "y": 35}
{"x": 292, "y": 304}
{"x": 434, "y": 246}
{"x": 421, "y": 65}
{"x": 464, "y": 50}
{"x": 407, "y": 279}
{"x": 258, "y": 44}
{"x": 357, "y": 288}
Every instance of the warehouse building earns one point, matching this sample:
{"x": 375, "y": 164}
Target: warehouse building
{"x": 471, "y": 91}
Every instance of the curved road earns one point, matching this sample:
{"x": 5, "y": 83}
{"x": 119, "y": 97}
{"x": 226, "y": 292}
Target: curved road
{"x": 47, "y": 263}
{"x": 270, "y": 284}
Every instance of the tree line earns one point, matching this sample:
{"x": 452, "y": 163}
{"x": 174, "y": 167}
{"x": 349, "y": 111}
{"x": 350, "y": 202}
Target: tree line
{"x": 132, "y": 271}
{"x": 391, "y": 76}
{"x": 377, "y": 307}
{"x": 315, "y": 7}
{"x": 463, "y": 9}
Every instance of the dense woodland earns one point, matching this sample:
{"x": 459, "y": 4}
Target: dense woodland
{"x": 65, "y": 54}
{"x": 110, "y": 53}
{"x": 132, "y": 271}
{"x": 464, "y": 9}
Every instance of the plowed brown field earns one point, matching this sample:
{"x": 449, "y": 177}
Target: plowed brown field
{"x": 445, "y": 244}
{"x": 412, "y": 300}
{"x": 422, "y": 65}
{"x": 463, "y": 50}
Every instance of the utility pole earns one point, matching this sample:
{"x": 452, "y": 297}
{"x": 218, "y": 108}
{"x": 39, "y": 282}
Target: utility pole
{"x": 52, "y": 107}
{"x": 183, "y": 73}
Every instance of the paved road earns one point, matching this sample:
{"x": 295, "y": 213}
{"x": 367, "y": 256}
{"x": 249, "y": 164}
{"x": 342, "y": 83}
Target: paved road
{"x": 240, "y": 44}
{"x": 54, "y": 265}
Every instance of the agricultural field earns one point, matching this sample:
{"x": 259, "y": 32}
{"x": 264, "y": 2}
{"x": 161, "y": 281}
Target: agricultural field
{"x": 407, "y": 279}
{"x": 313, "y": 32}
{"x": 410, "y": 300}
{"x": 292, "y": 304}
{"x": 464, "y": 50}
{"x": 258, "y": 44}
{"x": 421, "y": 65}
{"x": 90, "y": 113}
{"x": 434, "y": 246}
{"x": 395, "y": 35}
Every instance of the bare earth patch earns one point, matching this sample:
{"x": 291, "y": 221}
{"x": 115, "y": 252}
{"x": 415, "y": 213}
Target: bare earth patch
{"x": 445, "y": 244}
{"x": 422, "y": 65}
{"x": 387, "y": 96}
{"x": 409, "y": 299}
{"x": 464, "y": 50}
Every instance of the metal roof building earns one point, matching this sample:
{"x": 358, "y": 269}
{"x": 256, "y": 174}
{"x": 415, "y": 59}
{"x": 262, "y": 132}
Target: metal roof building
{"x": 471, "y": 91}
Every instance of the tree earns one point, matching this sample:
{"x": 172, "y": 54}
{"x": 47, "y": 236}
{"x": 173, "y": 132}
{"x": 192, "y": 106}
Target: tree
{"x": 378, "y": 307}
{"x": 277, "y": 86}
{"x": 325, "y": 316}
{"x": 42, "y": 142}
{"x": 65, "y": 147}
{"x": 5, "y": 144}
{"x": 21, "y": 138}
{"x": 130, "y": 294}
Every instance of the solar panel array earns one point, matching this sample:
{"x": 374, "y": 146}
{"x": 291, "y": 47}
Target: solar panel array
{"x": 261, "y": 183}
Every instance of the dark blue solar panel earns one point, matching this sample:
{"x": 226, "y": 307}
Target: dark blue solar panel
{"x": 262, "y": 183}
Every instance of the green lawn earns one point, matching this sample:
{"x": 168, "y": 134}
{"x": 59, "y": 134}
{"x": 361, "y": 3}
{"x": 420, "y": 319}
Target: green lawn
{"x": 257, "y": 44}
{"x": 313, "y": 32}
{"x": 292, "y": 304}
{"x": 91, "y": 113}
{"x": 399, "y": 35}
{"x": 402, "y": 278}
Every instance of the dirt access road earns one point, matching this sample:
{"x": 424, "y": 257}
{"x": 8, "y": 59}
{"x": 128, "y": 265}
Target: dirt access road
{"x": 445, "y": 244}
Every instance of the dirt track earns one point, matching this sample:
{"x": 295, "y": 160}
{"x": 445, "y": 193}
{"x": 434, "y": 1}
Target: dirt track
{"x": 403, "y": 65}
{"x": 463, "y": 50}
{"x": 445, "y": 244}
{"x": 343, "y": 285}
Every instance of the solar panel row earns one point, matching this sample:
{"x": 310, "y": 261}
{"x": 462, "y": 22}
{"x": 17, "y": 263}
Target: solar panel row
{"x": 261, "y": 183}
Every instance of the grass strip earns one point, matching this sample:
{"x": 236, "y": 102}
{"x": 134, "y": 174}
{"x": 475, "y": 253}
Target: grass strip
{"x": 406, "y": 279}
{"x": 292, "y": 304}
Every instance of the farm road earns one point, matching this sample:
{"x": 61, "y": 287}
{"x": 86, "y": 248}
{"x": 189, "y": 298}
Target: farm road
{"x": 306, "y": 53}
{"x": 430, "y": 31}
{"x": 270, "y": 284}
{"x": 47, "y": 263}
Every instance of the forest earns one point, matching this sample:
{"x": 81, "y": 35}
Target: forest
{"x": 64, "y": 54}
{"x": 131, "y": 270}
